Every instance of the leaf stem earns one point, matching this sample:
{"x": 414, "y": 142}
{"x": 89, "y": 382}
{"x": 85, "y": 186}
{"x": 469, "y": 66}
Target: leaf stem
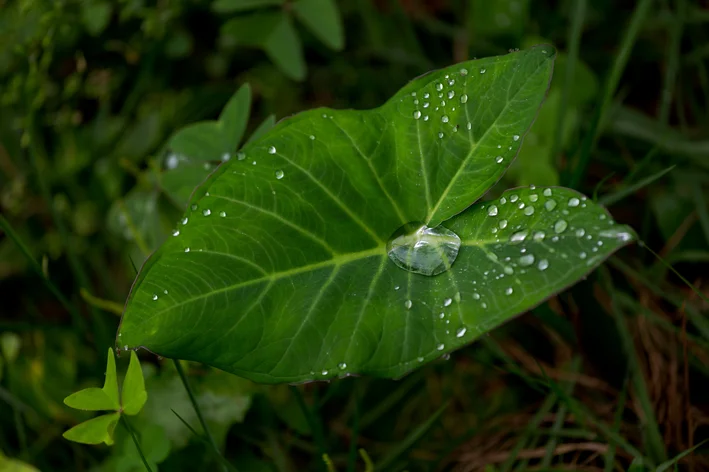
{"x": 315, "y": 425}
{"x": 193, "y": 400}
{"x": 135, "y": 441}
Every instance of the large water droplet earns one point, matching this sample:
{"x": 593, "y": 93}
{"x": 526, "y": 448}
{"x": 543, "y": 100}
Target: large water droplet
{"x": 444, "y": 118}
{"x": 529, "y": 211}
{"x": 547, "y": 192}
{"x": 574, "y": 202}
{"x": 518, "y": 237}
{"x": 422, "y": 250}
{"x": 492, "y": 211}
{"x": 560, "y": 226}
{"x": 550, "y": 204}
{"x": 526, "y": 260}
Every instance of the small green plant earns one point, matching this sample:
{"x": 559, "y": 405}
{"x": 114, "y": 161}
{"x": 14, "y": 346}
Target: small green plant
{"x": 131, "y": 400}
{"x": 344, "y": 242}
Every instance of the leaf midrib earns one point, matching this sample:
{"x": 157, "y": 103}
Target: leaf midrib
{"x": 476, "y": 145}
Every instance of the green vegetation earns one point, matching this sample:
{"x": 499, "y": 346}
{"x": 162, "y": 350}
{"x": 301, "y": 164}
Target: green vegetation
{"x": 111, "y": 113}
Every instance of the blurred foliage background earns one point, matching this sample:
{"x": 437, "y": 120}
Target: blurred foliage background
{"x": 612, "y": 374}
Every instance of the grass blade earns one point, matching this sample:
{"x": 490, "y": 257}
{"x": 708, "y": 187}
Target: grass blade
{"x": 620, "y": 194}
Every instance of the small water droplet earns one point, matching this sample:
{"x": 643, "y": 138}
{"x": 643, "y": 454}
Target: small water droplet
{"x": 529, "y": 211}
{"x": 582, "y": 255}
{"x": 206, "y": 212}
{"x": 499, "y": 159}
{"x": 426, "y": 95}
{"x": 580, "y": 232}
{"x": 509, "y": 291}
{"x": 447, "y": 302}
{"x": 442, "y": 315}
{"x": 155, "y": 296}
{"x": 508, "y": 270}
{"x": 440, "y": 347}
{"x": 439, "y": 86}
{"x": 272, "y": 150}
{"x": 193, "y": 206}
{"x": 417, "y": 115}
{"x": 543, "y": 264}
{"x": 550, "y": 205}
{"x": 165, "y": 292}
{"x": 408, "y": 304}
{"x": 547, "y": 192}
{"x": 279, "y": 174}
{"x": 222, "y": 214}
{"x": 533, "y": 197}
{"x": 503, "y": 224}
{"x": 503, "y": 200}
{"x": 461, "y": 332}
{"x": 482, "y": 71}
{"x": 187, "y": 249}
{"x": 469, "y": 125}
{"x": 539, "y": 236}
{"x": 324, "y": 372}
{"x": 560, "y": 226}
{"x": 526, "y": 260}
{"x": 425, "y": 118}
{"x": 518, "y": 237}
{"x": 463, "y": 71}
{"x": 492, "y": 211}
{"x": 240, "y": 156}
{"x": 176, "y": 232}
{"x": 184, "y": 221}
{"x": 515, "y": 137}
{"x": 420, "y": 359}
{"x": 342, "y": 365}
{"x": 483, "y": 304}
{"x": 397, "y": 287}
{"x": 574, "y": 202}
{"x": 440, "y": 135}
{"x": 514, "y": 198}
{"x": 476, "y": 296}
{"x": 464, "y": 98}
{"x": 451, "y": 94}
{"x": 444, "y": 118}
{"x": 312, "y": 137}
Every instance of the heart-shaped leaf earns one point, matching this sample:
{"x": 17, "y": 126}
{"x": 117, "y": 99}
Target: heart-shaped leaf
{"x": 133, "y": 395}
{"x": 96, "y": 399}
{"x": 94, "y": 431}
{"x": 280, "y": 270}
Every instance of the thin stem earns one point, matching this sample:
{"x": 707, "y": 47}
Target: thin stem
{"x": 193, "y": 400}
{"x": 137, "y": 444}
{"x": 10, "y": 232}
{"x": 315, "y": 425}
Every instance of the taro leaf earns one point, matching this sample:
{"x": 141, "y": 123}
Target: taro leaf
{"x": 95, "y": 399}
{"x": 133, "y": 395}
{"x": 94, "y": 431}
{"x": 280, "y": 271}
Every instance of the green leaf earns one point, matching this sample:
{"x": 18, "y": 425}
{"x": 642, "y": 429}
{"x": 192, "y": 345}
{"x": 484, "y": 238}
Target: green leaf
{"x": 133, "y": 395}
{"x": 265, "y": 126}
{"x": 95, "y": 16}
{"x": 203, "y": 141}
{"x": 274, "y": 33}
{"x": 96, "y": 399}
{"x": 15, "y": 465}
{"x": 323, "y": 19}
{"x": 231, "y": 6}
{"x": 235, "y": 116}
{"x": 94, "y": 431}
{"x": 282, "y": 272}
{"x": 284, "y": 48}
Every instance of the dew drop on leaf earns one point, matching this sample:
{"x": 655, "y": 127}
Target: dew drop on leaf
{"x": 492, "y": 211}
{"x": 526, "y": 260}
{"x": 279, "y": 174}
{"x": 460, "y": 333}
{"x": 550, "y": 205}
{"x": 574, "y": 202}
{"x": 408, "y": 304}
{"x": 543, "y": 264}
{"x": 560, "y": 226}
{"x": 422, "y": 250}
